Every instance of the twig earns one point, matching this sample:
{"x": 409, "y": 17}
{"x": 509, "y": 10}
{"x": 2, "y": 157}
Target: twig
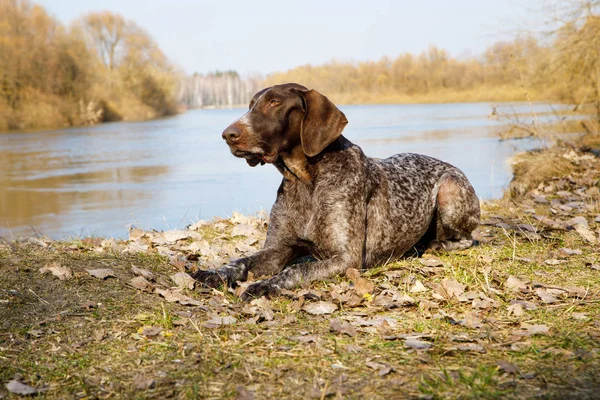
{"x": 38, "y": 297}
{"x": 195, "y": 326}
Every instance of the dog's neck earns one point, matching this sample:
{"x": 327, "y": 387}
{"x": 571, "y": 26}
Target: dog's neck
{"x": 294, "y": 166}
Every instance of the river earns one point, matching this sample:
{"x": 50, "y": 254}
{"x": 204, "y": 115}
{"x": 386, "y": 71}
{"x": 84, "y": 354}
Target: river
{"x": 166, "y": 173}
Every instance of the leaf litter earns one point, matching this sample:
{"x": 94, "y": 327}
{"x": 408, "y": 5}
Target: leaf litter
{"x": 490, "y": 303}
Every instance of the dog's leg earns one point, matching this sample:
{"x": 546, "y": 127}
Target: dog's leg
{"x": 457, "y": 214}
{"x": 299, "y": 274}
{"x": 267, "y": 261}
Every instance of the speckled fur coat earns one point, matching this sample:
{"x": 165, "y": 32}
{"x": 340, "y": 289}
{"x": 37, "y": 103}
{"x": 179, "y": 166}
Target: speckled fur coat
{"x": 334, "y": 203}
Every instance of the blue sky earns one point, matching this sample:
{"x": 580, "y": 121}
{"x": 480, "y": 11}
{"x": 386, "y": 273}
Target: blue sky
{"x": 267, "y": 36}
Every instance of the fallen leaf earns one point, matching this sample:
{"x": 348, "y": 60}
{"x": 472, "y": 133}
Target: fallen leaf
{"x": 99, "y": 335}
{"x": 243, "y": 230}
{"x": 101, "y": 273}
{"x": 243, "y": 393}
{"x": 320, "y": 307}
{"x": 382, "y": 369}
{"x": 515, "y": 284}
{"x": 516, "y": 310}
{"x": 471, "y": 320}
{"x": 142, "y": 272}
{"x": 183, "y": 280}
{"x": 448, "y": 289}
{"x": 580, "y": 316}
{"x": 531, "y": 330}
{"x": 264, "y": 307}
{"x": 474, "y": 347}
{"x": 139, "y": 282}
{"x": 342, "y": 327}
{"x": 528, "y": 305}
{"x": 305, "y": 338}
{"x": 507, "y": 367}
{"x": 143, "y": 383}
{"x": 545, "y": 296}
{"x": 62, "y": 273}
{"x": 218, "y": 320}
{"x": 417, "y": 344}
{"x": 362, "y": 286}
{"x": 586, "y": 233}
{"x": 136, "y": 246}
{"x": 554, "y": 262}
{"x": 22, "y": 389}
{"x": 174, "y": 296}
{"x": 418, "y": 287}
{"x": 431, "y": 262}
{"x": 35, "y": 333}
{"x": 150, "y": 331}
{"x": 569, "y": 252}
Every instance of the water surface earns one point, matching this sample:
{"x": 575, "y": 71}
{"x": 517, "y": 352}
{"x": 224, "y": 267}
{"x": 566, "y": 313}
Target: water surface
{"x": 163, "y": 174}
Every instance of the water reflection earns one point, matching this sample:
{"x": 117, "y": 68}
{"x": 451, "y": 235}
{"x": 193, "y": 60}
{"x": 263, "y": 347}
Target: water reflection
{"x": 165, "y": 173}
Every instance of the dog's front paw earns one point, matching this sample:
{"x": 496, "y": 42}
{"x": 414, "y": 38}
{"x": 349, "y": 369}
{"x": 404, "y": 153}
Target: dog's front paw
{"x": 210, "y": 279}
{"x": 262, "y": 288}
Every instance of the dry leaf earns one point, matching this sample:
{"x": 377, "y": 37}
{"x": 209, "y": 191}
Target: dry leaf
{"x": 22, "y": 389}
{"x": 471, "y": 320}
{"x": 218, "y": 320}
{"x": 515, "y": 309}
{"x": 514, "y": 283}
{"x": 569, "y": 252}
{"x": 448, "y": 289}
{"x": 99, "y": 335}
{"x": 174, "y": 296}
{"x": 183, "y": 280}
{"x": 382, "y": 369}
{"x": 586, "y": 233}
{"x": 143, "y": 383}
{"x": 546, "y": 296}
{"x": 320, "y": 307}
{"x": 243, "y": 230}
{"x": 62, "y": 273}
{"x": 530, "y": 330}
{"x": 139, "y": 282}
{"x": 417, "y": 344}
{"x": 101, "y": 273}
{"x": 474, "y": 347}
{"x": 507, "y": 367}
{"x": 418, "y": 287}
{"x": 431, "y": 262}
{"x": 342, "y": 327}
{"x": 528, "y": 305}
{"x": 554, "y": 262}
{"x": 151, "y": 331}
{"x": 264, "y": 307}
{"x": 142, "y": 272}
{"x": 362, "y": 286}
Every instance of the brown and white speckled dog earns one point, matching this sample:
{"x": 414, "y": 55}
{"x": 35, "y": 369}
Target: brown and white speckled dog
{"x": 345, "y": 209}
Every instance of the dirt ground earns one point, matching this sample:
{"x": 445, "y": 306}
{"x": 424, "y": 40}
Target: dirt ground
{"x": 516, "y": 317}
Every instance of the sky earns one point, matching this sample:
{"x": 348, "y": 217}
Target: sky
{"x": 261, "y": 36}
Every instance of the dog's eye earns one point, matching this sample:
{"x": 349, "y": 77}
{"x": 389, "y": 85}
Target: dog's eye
{"x": 274, "y": 102}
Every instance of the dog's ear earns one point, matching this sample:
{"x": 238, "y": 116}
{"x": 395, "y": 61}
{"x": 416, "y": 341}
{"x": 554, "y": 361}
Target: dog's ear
{"x": 256, "y": 97}
{"x": 323, "y": 122}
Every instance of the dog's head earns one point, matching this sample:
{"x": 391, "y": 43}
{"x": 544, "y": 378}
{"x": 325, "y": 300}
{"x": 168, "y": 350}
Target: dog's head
{"x": 281, "y": 118}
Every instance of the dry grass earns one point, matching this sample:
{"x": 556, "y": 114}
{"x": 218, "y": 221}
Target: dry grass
{"x": 532, "y": 168}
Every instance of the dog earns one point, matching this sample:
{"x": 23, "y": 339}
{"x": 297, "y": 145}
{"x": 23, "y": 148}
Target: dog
{"x": 344, "y": 209}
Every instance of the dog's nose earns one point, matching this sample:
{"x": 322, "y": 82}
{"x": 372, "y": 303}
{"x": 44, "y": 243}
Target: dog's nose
{"x": 231, "y": 134}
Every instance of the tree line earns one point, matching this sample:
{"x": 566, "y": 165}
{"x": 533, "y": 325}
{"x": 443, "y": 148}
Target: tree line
{"x": 563, "y": 65}
{"x": 100, "y": 68}
{"x": 103, "y": 67}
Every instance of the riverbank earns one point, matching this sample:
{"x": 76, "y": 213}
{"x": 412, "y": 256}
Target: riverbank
{"x": 517, "y": 316}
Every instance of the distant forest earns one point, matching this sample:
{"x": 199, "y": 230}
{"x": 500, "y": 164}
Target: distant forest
{"x": 218, "y": 89}
{"x": 103, "y": 67}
